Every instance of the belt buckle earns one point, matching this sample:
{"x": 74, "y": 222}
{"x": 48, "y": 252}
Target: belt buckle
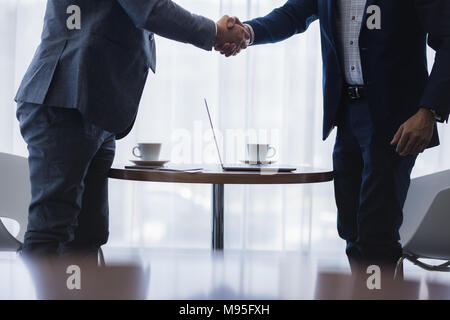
{"x": 354, "y": 93}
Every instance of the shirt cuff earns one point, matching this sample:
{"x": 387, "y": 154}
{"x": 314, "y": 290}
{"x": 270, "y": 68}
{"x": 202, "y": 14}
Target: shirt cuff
{"x": 252, "y": 33}
{"x": 437, "y": 117}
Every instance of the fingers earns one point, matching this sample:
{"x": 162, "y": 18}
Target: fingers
{"x": 423, "y": 145}
{"x": 409, "y": 143}
{"x": 231, "y": 22}
{"x": 226, "y": 49}
{"x": 410, "y": 146}
{"x": 240, "y": 45}
{"x": 224, "y": 33}
{"x": 220, "y": 47}
{"x": 231, "y": 48}
{"x": 224, "y": 18}
{"x": 397, "y": 136}
{"x": 420, "y": 146}
{"x": 236, "y": 35}
{"x": 417, "y": 147}
{"x": 235, "y": 50}
{"x": 402, "y": 143}
{"x": 415, "y": 134}
{"x": 238, "y": 22}
{"x": 232, "y": 36}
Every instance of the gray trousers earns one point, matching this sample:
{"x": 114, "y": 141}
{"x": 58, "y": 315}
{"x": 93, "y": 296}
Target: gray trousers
{"x": 69, "y": 160}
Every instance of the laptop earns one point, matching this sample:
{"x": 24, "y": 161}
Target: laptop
{"x": 243, "y": 166}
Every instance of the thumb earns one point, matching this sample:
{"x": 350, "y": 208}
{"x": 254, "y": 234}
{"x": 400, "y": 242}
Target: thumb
{"x": 231, "y": 22}
{"x": 397, "y": 136}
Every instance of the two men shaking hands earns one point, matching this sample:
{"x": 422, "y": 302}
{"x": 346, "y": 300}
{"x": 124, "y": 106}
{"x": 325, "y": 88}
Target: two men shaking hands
{"x": 376, "y": 89}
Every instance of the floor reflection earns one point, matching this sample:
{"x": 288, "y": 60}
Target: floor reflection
{"x": 76, "y": 278}
{"x": 168, "y": 274}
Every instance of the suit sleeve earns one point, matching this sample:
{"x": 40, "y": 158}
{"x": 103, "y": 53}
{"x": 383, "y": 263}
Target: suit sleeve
{"x": 169, "y": 20}
{"x": 292, "y": 18}
{"x": 435, "y": 18}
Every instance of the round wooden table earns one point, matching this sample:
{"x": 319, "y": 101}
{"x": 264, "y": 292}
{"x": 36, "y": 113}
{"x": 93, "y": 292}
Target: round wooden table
{"x": 218, "y": 178}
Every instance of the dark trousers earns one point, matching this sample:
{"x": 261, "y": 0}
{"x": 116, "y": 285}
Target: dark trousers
{"x": 69, "y": 160}
{"x": 371, "y": 184}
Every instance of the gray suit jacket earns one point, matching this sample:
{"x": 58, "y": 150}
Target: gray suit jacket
{"x": 101, "y": 68}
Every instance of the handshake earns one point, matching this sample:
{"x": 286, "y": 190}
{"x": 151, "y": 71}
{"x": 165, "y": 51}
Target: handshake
{"x": 232, "y": 36}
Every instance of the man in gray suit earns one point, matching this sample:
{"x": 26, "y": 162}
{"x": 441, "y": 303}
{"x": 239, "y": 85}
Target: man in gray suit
{"x": 81, "y": 93}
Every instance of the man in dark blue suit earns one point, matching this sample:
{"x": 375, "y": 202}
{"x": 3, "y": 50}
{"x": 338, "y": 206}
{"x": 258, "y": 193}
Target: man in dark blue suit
{"x": 378, "y": 93}
{"x": 81, "y": 93}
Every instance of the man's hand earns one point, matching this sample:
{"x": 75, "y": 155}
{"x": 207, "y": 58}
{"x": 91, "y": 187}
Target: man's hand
{"x": 415, "y": 134}
{"x": 232, "y": 48}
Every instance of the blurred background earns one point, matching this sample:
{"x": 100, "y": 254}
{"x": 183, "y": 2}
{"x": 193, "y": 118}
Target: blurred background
{"x": 272, "y": 91}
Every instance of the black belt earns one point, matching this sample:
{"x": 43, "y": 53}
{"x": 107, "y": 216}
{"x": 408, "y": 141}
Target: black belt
{"x": 355, "y": 92}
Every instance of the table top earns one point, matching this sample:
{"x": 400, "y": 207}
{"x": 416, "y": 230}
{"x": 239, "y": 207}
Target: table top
{"x": 215, "y": 175}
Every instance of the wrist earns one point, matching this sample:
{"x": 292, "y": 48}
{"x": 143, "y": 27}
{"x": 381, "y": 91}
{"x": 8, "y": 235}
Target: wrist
{"x": 436, "y": 116}
{"x": 249, "y": 38}
{"x": 428, "y": 113}
{"x": 219, "y": 34}
{"x": 218, "y": 31}
{"x": 250, "y": 31}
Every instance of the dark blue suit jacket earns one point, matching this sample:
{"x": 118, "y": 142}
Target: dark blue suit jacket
{"x": 393, "y": 58}
{"x": 101, "y": 69}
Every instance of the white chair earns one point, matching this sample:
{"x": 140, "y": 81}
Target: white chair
{"x": 425, "y": 230}
{"x": 15, "y": 195}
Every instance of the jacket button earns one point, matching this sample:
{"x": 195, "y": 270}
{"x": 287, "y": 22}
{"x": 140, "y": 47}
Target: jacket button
{"x": 151, "y": 37}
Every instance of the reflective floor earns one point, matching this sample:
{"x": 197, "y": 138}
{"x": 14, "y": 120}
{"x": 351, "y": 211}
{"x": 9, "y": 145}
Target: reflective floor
{"x": 181, "y": 274}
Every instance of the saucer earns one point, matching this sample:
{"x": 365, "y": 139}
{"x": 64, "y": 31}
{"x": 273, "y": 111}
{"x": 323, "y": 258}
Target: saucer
{"x": 258, "y": 162}
{"x": 148, "y": 163}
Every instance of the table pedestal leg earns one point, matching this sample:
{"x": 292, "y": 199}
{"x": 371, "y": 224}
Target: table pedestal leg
{"x": 217, "y": 217}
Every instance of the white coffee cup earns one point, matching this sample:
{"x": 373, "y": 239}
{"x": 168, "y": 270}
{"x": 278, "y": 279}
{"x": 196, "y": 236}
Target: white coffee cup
{"x": 147, "y": 151}
{"x": 260, "y": 152}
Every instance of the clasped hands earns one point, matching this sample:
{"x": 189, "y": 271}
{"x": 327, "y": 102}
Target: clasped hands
{"x": 232, "y": 36}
